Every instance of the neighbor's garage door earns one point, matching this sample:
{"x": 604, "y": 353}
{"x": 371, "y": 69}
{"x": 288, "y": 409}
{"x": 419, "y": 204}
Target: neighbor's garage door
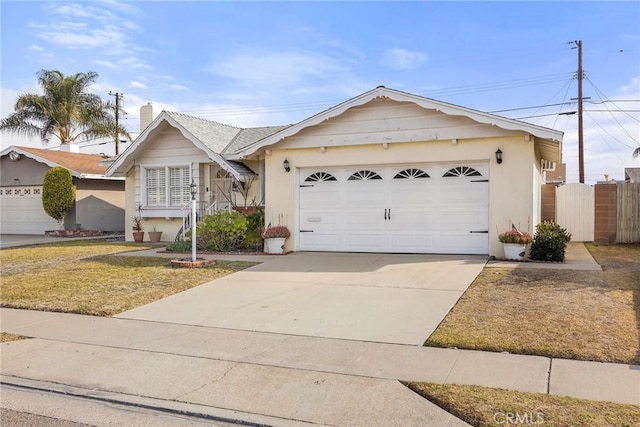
{"x": 399, "y": 209}
{"x": 22, "y": 211}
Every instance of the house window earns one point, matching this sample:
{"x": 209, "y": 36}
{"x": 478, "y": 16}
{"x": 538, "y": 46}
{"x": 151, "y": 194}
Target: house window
{"x": 462, "y": 171}
{"x": 364, "y": 175}
{"x": 168, "y": 186}
{"x": 411, "y": 173}
{"x": 320, "y": 176}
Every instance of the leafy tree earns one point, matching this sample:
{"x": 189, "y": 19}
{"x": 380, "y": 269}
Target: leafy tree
{"x": 58, "y": 193}
{"x": 636, "y": 152}
{"x": 65, "y": 110}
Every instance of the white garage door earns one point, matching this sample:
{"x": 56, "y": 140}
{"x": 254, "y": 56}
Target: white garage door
{"x": 396, "y": 209}
{"x": 22, "y": 212}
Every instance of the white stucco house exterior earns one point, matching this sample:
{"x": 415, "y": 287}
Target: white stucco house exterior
{"x": 385, "y": 171}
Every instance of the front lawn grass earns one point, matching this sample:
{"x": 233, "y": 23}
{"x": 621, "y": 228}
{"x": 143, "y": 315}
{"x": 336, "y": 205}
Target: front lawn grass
{"x": 484, "y": 406}
{"x": 583, "y": 315}
{"x": 86, "y": 277}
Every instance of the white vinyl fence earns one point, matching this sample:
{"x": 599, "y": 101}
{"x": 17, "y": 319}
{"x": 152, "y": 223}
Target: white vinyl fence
{"x": 575, "y": 210}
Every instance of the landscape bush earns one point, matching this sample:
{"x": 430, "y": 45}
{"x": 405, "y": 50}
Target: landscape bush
{"x": 221, "y": 232}
{"x": 58, "y": 193}
{"x": 179, "y": 246}
{"x": 549, "y": 242}
{"x": 255, "y": 223}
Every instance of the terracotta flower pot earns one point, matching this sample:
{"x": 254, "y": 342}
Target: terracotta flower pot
{"x": 138, "y": 236}
{"x": 155, "y": 236}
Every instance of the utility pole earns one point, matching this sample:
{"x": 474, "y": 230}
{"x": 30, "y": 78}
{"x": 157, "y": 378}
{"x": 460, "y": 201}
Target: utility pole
{"x": 118, "y": 97}
{"x": 580, "y": 125}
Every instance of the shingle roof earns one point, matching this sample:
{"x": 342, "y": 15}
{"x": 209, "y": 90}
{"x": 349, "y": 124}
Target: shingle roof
{"x": 214, "y": 135}
{"x": 250, "y": 135}
{"x": 82, "y": 164}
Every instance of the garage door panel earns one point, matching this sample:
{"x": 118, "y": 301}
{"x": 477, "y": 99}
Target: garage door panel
{"x": 415, "y": 219}
{"x": 320, "y": 241}
{"x": 364, "y": 219}
{"x": 318, "y": 198}
{"x": 365, "y": 242}
{"x": 428, "y": 214}
{"x": 366, "y": 196}
{"x": 319, "y": 220}
{"x": 21, "y": 211}
{"x": 463, "y": 221}
{"x": 414, "y": 242}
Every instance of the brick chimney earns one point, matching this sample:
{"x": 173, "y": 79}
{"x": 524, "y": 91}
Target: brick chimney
{"x": 146, "y": 116}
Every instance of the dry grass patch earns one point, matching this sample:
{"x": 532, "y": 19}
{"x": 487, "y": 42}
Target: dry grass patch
{"x": 6, "y": 337}
{"x": 584, "y": 315}
{"x": 483, "y": 406}
{"x": 86, "y": 278}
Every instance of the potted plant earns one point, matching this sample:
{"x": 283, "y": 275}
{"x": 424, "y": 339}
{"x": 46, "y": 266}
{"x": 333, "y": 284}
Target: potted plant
{"x": 515, "y": 243}
{"x": 275, "y": 237}
{"x": 155, "y": 235}
{"x": 138, "y": 229}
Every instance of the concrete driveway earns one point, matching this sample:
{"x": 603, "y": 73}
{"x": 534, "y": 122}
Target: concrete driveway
{"x": 369, "y": 297}
{"x": 12, "y": 240}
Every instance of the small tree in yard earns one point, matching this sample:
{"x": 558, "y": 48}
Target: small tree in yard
{"x": 58, "y": 193}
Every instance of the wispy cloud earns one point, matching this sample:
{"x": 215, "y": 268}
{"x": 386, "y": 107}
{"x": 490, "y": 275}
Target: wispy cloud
{"x": 403, "y": 59}
{"x": 280, "y": 68}
{"x": 104, "y": 63}
{"x": 138, "y": 85}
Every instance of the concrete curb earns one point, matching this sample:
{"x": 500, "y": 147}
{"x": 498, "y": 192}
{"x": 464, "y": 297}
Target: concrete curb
{"x": 167, "y": 406}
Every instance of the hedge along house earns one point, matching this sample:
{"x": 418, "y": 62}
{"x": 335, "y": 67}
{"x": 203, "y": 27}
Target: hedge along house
{"x": 388, "y": 171}
{"x": 99, "y": 204}
{"x": 174, "y": 150}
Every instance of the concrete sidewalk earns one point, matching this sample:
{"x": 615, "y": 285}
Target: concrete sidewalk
{"x": 281, "y": 376}
{"x": 577, "y": 257}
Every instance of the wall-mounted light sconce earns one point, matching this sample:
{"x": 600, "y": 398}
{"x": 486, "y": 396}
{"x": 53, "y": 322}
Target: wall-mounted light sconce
{"x": 454, "y": 141}
{"x": 286, "y": 166}
{"x": 234, "y": 186}
{"x": 323, "y": 149}
{"x": 16, "y": 182}
{"x": 499, "y": 156}
{"x": 385, "y": 145}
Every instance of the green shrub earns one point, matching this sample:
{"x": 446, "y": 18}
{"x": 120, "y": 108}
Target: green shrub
{"x": 255, "y": 223}
{"x": 222, "y": 231}
{"x": 179, "y": 246}
{"x": 549, "y": 242}
{"x": 58, "y": 193}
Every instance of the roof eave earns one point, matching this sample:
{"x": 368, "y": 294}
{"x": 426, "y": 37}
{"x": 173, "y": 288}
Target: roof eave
{"x": 39, "y": 159}
{"x": 427, "y": 103}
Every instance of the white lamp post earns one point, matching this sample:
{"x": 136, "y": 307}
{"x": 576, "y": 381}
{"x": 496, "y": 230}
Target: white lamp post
{"x": 193, "y": 189}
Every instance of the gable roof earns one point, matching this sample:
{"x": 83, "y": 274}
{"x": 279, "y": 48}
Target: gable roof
{"x": 550, "y": 139}
{"x": 215, "y": 139}
{"x": 80, "y": 165}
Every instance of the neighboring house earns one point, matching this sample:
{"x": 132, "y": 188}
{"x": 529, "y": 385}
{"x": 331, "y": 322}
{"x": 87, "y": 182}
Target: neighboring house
{"x": 556, "y": 174}
{"x": 386, "y": 171}
{"x": 99, "y": 201}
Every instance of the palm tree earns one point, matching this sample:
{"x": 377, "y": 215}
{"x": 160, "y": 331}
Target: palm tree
{"x": 65, "y": 111}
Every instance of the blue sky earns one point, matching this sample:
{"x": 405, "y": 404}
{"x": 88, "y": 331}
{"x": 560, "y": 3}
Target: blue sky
{"x": 271, "y": 63}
